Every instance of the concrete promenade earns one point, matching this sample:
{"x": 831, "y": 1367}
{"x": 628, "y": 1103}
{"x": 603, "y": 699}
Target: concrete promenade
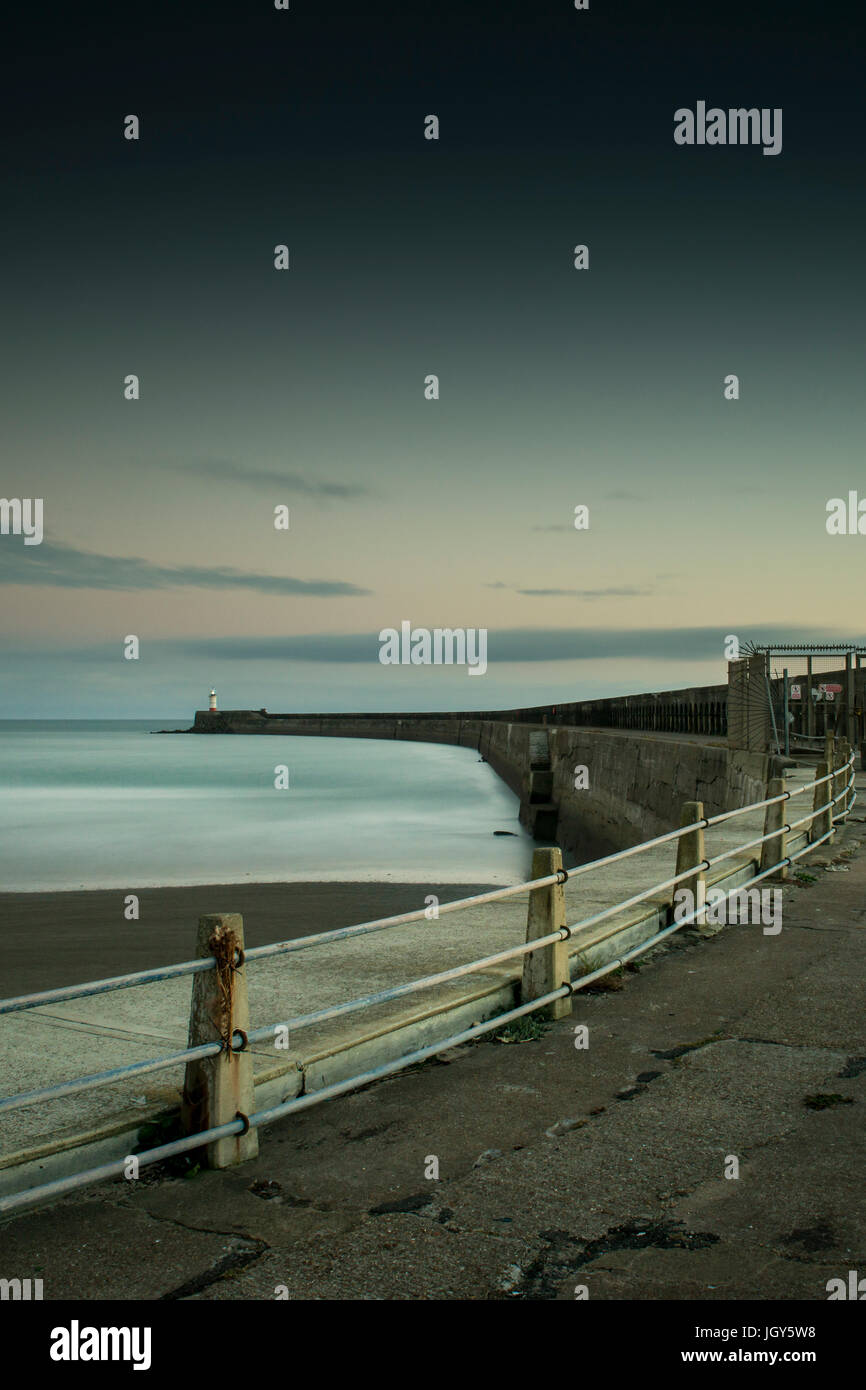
{"x": 49, "y": 1045}
{"x": 558, "y": 1167}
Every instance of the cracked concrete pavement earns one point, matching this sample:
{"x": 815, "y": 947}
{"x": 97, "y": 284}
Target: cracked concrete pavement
{"x": 559, "y": 1168}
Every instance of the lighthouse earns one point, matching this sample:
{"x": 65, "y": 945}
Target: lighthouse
{"x": 211, "y": 704}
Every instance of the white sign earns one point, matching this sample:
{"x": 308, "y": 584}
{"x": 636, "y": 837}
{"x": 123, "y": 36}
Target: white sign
{"x": 795, "y": 692}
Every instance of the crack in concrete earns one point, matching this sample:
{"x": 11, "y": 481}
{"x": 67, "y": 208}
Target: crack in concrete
{"x": 778, "y": 1042}
{"x": 555, "y": 1263}
{"x": 225, "y": 1267}
{"x": 202, "y": 1230}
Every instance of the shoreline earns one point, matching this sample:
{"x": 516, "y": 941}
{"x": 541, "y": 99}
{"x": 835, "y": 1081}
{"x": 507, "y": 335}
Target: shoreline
{"x": 52, "y": 938}
{"x": 408, "y": 878}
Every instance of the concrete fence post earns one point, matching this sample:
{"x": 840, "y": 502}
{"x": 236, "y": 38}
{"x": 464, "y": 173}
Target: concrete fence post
{"x": 547, "y": 968}
{"x": 690, "y": 854}
{"x": 821, "y": 820}
{"x": 775, "y": 820}
{"x": 217, "y": 1089}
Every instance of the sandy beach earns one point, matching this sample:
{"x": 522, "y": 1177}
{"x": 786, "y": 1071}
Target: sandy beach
{"x": 54, "y": 939}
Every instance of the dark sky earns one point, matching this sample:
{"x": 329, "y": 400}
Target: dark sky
{"x": 411, "y": 257}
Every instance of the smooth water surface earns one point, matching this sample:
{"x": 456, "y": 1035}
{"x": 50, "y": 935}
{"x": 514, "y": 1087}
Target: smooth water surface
{"x": 87, "y": 804}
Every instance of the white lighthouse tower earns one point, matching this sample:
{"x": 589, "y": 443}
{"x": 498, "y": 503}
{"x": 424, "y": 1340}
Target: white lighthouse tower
{"x": 212, "y": 704}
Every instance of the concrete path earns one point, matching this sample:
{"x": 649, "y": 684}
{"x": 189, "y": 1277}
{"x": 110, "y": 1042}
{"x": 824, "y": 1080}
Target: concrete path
{"x": 558, "y": 1167}
{"x": 49, "y": 1045}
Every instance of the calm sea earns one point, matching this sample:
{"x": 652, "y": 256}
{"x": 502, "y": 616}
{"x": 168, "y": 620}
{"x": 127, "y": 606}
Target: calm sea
{"x": 87, "y": 804}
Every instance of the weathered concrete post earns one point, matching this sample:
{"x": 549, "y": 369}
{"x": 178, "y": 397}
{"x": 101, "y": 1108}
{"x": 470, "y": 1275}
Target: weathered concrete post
{"x": 218, "y": 1089}
{"x": 774, "y": 820}
{"x": 821, "y": 821}
{"x": 690, "y": 853}
{"x": 547, "y": 968}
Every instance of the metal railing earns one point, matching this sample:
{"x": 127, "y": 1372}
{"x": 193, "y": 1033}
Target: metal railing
{"x": 241, "y": 1042}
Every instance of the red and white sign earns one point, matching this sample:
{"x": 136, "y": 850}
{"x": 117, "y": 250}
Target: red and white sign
{"x": 795, "y": 692}
{"x": 831, "y": 689}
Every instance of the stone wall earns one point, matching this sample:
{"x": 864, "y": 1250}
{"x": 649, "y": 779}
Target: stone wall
{"x": 637, "y": 785}
{"x": 692, "y": 710}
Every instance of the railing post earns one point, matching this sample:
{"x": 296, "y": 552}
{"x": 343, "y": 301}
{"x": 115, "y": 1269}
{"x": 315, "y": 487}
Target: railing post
{"x": 774, "y": 820}
{"x": 690, "y": 853}
{"x": 547, "y": 968}
{"x": 218, "y": 1089}
{"x": 822, "y": 811}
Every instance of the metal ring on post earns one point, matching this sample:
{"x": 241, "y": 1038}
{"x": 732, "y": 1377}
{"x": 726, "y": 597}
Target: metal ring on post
{"x": 245, "y": 1042}
{"x": 239, "y": 1115}
{"x": 565, "y": 933}
{"x": 561, "y": 876}
{"x": 239, "y": 958}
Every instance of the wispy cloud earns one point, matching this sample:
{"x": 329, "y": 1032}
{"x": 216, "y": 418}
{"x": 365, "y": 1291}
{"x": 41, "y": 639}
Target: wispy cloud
{"x": 270, "y": 478}
{"x": 584, "y": 593}
{"x": 64, "y": 567}
{"x": 508, "y": 644}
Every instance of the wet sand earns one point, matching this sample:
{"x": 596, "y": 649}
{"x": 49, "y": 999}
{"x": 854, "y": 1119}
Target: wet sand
{"x": 52, "y": 939}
